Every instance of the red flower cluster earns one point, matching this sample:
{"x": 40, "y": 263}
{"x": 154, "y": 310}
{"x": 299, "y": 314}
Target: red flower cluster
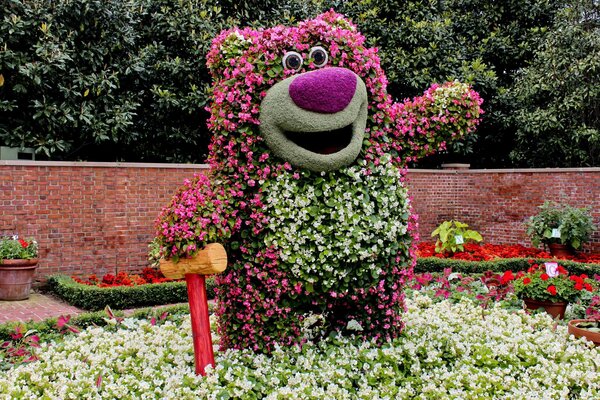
{"x": 536, "y": 283}
{"x": 24, "y": 244}
{"x": 148, "y": 275}
{"x": 486, "y": 252}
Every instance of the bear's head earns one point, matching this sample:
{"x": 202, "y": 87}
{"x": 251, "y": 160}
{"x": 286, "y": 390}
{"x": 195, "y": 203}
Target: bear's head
{"x": 314, "y": 96}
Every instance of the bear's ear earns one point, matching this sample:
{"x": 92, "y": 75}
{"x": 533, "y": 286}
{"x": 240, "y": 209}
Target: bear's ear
{"x": 335, "y": 20}
{"x": 228, "y": 46}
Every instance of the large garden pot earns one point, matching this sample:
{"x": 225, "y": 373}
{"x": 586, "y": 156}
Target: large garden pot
{"x": 555, "y": 309}
{"x": 582, "y": 332}
{"x": 559, "y": 250}
{"x": 15, "y": 278}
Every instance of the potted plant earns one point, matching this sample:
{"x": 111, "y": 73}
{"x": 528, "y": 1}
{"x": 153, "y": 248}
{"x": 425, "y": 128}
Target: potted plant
{"x": 548, "y": 286}
{"x": 588, "y": 328}
{"x": 18, "y": 261}
{"x": 561, "y": 227}
{"x": 453, "y": 235}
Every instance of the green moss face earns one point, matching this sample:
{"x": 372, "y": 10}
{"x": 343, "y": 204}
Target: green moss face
{"x": 313, "y": 140}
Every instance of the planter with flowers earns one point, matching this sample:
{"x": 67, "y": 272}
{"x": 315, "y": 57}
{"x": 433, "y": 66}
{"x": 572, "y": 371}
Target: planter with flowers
{"x": 18, "y": 261}
{"x": 549, "y": 286}
{"x": 561, "y": 227}
{"x": 588, "y": 328}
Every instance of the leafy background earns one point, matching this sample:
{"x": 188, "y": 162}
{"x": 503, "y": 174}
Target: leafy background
{"x": 126, "y": 80}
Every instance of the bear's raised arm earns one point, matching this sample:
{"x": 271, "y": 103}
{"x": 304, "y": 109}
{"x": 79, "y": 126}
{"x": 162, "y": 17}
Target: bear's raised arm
{"x": 425, "y": 124}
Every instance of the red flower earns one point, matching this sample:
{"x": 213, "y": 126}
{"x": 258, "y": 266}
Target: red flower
{"x": 526, "y": 281}
{"x": 544, "y": 276}
{"x": 507, "y": 277}
{"x": 552, "y": 290}
{"x": 588, "y": 287}
{"x": 24, "y": 244}
{"x": 578, "y": 286}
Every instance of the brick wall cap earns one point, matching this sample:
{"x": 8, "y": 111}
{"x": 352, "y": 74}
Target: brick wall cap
{"x": 88, "y": 164}
{"x": 504, "y": 170}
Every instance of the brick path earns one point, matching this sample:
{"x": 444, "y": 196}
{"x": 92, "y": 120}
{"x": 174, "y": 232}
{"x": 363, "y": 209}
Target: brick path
{"x": 37, "y": 308}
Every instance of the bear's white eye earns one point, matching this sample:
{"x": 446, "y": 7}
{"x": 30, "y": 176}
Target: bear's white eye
{"x": 319, "y": 56}
{"x": 292, "y": 60}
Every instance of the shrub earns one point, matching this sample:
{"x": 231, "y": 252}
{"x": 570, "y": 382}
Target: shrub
{"x": 121, "y": 297}
{"x": 106, "y": 80}
{"x": 434, "y": 264}
{"x": 556, "y": 223}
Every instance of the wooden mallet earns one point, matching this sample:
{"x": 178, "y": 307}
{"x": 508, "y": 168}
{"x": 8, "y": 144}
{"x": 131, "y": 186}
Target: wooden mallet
{"x": 212, "y": 259}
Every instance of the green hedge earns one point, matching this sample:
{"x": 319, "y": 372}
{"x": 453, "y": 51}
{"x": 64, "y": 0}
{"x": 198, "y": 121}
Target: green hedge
{"x": 121, "y": 297}
{"x": 434, "y": 264}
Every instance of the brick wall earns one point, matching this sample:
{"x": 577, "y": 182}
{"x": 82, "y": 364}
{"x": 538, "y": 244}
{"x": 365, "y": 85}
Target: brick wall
{"x": 496, "y": 203}
{"x": 98, "y": 217}
{"x": 87, "y": 217}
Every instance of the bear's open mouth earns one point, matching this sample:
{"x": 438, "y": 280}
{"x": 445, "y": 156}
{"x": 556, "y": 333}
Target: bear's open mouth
{"x": 323, "y": 142}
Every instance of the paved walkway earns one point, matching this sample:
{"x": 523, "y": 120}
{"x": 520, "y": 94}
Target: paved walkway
{"x": 37, "y": 308}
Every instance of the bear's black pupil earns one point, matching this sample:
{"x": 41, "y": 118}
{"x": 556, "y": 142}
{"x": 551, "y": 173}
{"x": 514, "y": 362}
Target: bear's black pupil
{"x": 319, "y": 57}
{"x": 293, "y": 62}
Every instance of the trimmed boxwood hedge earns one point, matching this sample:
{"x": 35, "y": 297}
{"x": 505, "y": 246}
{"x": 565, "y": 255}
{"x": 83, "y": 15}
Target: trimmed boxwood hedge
{"x": 435, "y": 264}
{"x": 121, "y": 297}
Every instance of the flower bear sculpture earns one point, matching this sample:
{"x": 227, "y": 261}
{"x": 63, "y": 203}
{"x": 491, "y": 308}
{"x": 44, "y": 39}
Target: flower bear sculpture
{"x": 306, "y": 187}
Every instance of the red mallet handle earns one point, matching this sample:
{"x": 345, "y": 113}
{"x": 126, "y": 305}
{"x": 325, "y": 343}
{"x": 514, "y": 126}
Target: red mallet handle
{"x": 203, "y": 350}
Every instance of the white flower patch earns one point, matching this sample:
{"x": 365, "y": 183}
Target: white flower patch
{"x": 326, "y": 228}
{"x": 450, "y": 351}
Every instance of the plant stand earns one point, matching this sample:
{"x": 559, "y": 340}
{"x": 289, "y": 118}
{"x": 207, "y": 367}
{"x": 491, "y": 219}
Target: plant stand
{"x": 16, "y": 277}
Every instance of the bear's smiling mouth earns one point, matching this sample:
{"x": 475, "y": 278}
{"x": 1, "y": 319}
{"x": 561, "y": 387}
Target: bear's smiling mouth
{"x": 323, "y": 142}
{"x": 318, "y": 140}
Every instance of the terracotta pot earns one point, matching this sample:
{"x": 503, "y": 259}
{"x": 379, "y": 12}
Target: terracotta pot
{"x": 555, "y": 309}
{"x": 582, "y": 332}
{"x": 561, "y": 251}
{"x": 15, "y": 278}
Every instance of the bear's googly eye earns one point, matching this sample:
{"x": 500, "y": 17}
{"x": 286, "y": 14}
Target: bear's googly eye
{"x": 292, "y": 60}
{"x": 319, "y": 56}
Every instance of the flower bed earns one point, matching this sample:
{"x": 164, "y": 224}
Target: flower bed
{"x": 148, "y": 275}
{"x": 449, "y": 351}
{"x": 487, "y": 252}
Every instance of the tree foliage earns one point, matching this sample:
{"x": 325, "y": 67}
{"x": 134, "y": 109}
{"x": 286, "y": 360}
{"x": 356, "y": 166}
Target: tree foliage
{"x": 106, "y": 80}
{"x": 558, "y": 109}
{"x": 126, "y": 80}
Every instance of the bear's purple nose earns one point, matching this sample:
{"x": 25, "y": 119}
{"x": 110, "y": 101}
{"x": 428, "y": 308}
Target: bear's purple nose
{"x": 327, "y": 90}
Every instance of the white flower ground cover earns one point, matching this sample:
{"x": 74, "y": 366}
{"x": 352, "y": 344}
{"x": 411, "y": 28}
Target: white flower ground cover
{"x": 450, "y": 351}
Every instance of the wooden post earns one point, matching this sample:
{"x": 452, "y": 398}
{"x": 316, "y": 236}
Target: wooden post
{"x": 203, "y": 350}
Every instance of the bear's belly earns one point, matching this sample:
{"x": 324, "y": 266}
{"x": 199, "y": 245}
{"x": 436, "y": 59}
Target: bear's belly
{"x": 342, "y": 228}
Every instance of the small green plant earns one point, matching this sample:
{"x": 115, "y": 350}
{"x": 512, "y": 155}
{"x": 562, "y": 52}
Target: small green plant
{"x": 557, "y": 223}
{"x": 453, "y": 235}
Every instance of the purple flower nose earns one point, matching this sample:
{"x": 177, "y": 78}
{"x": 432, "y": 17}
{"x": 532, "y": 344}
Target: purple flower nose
{"x": 327, "y": 90}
